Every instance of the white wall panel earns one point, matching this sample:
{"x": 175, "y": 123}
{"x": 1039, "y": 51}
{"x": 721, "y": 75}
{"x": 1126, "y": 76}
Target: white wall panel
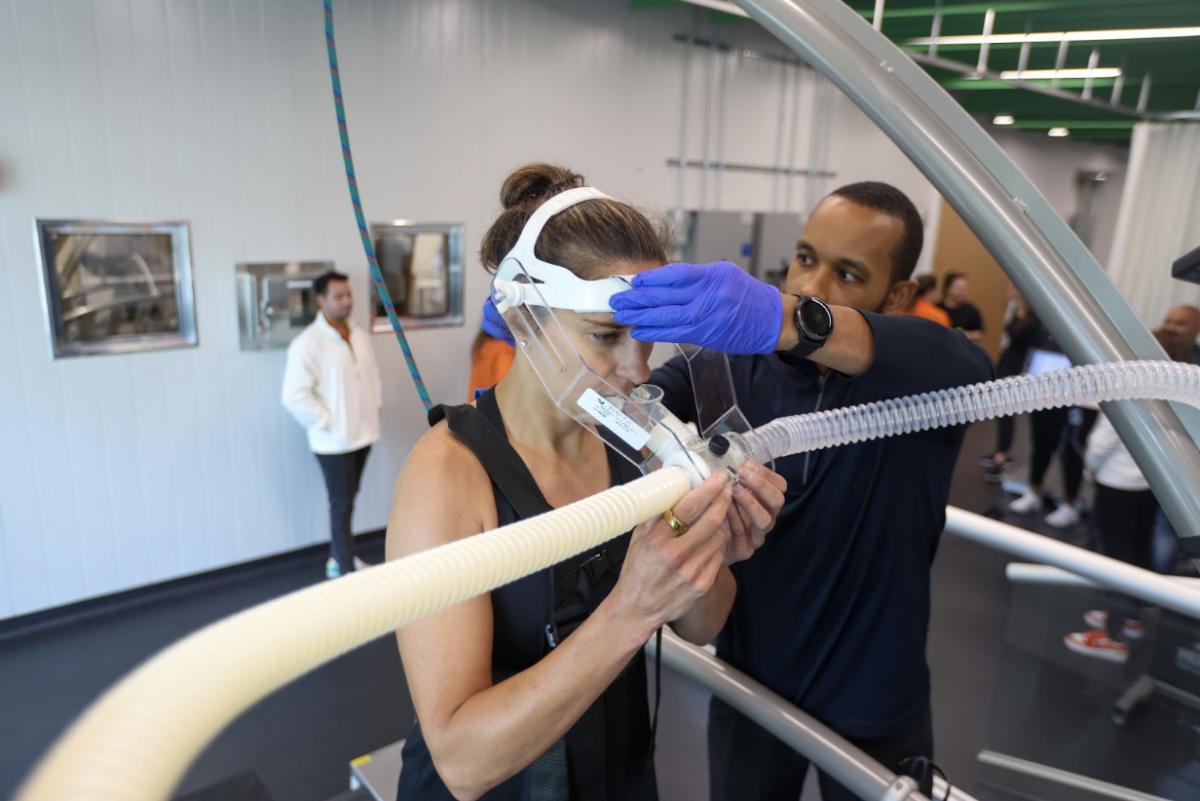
{"x": 118, "y": 471}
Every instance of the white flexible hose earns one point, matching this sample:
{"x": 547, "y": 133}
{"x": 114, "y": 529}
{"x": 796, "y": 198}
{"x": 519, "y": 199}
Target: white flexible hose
{"x": 1093, "y": 383}
{"x": 138, "y": 739}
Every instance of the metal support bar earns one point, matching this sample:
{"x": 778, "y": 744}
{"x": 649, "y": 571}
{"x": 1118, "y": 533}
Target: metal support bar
{"x": 1045, "y": 259}
{"x": 1118, "y": 87}
{"x": 761, "y": 169}
{"x": 1093, "y": 63}
{"x": 683, "y": 121}
{"x": 935, "y": 29}
{"x": 877, "y": 19}
{"x": 1144, "y": 94}
{"x": 832, "y": 754}
{"x": 1107, "y": 572}
{"x": 1023, "y": 55}
{"x": 1060, "y": 61}
{"x": 989, "y": 21}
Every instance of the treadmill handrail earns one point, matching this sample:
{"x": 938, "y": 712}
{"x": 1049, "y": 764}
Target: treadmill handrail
{"x": 830, "y": 752}
{"x": 1107, "y": 572}
{"x": 1045, "y": 259}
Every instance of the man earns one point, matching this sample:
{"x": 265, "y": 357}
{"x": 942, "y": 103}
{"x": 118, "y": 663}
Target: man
{"x": 833, "y": 612}
{"x": 1184, "y": 322}
{"x": 331, "y": 386}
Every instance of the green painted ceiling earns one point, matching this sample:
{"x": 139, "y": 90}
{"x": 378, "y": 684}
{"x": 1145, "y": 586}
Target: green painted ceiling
{"x": 1173, "y": 63}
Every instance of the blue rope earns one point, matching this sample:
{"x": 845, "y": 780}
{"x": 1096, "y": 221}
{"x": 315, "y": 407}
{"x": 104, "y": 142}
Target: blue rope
{"x": 364, "y": 234}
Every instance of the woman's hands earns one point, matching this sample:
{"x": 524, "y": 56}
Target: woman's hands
{"x": 757, "y": 499}
{"x": 666, "y": 573}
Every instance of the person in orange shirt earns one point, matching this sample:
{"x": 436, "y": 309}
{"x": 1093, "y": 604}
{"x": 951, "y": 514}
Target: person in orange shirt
{"x": 490, "y": 360}
{"x": 923, "y": 306}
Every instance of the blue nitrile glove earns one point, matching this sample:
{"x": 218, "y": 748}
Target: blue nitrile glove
{"x": 718, "y": 306}
{"x": 493, "y": 323}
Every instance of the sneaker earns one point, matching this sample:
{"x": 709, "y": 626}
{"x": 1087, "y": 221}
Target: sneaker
{"x": 994, "y": 474}
{"x": 1065, "y": 516}
{"x": 1098, "y": 619}
{"x": 1028, "y": 504}
{"x": 332, "y": 570}
{"x": 360, "y": 564}
{"x": 1096, "y": 643}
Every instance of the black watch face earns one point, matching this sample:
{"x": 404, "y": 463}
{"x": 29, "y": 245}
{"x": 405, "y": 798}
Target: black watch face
{"x": 816, "y": 318}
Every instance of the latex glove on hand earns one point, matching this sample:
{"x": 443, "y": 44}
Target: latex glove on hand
{"x": 718, "y": 306}
{"x": 493, "y": 323}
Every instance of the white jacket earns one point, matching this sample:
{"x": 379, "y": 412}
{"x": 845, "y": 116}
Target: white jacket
{"x": 332, "y": 388}
{"x": 1110, "y": 460}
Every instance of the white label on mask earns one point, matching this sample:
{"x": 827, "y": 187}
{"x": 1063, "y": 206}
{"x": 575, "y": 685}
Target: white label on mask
{"x": 613, "y": 419}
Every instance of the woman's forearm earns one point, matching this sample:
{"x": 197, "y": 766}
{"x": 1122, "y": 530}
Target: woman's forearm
{"x": 498, "y": 732}
{"x": 705, "y": 620}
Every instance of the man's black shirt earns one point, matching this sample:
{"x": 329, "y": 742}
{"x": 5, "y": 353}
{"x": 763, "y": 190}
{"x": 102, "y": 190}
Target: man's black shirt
{"x": 832, "y": 611}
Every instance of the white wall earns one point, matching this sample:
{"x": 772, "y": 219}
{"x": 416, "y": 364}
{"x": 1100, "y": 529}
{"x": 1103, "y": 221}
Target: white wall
{"x": 123, "y": 470}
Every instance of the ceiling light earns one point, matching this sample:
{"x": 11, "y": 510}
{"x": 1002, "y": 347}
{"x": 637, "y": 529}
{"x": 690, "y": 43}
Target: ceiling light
{"x": 1003, "y": 119}
{"x": 1058, "y": 133}
{"x": 1054, "y": 37}
{"x": 1081, "y": 72}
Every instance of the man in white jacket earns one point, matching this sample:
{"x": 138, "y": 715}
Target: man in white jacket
{"x": 331, "y": 386}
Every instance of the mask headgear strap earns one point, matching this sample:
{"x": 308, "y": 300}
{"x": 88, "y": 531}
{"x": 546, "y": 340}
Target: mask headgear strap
{"x": 557, "y": 287}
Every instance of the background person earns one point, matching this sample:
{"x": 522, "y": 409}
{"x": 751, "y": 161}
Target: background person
{"x": 490, "y": 359}
{"x": 833, "y": 613}
{"x": 1020, "y": 330}
{"x": 923, "y": 305}
{"x": 1123, "y": 515}
{"x": 538, "y": 689}
{"x": 963, "y": 314}
{"x": 331, "y": 386}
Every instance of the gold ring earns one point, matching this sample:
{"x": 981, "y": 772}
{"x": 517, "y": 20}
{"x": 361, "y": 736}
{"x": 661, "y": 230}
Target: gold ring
{"x": 678, "y": 526}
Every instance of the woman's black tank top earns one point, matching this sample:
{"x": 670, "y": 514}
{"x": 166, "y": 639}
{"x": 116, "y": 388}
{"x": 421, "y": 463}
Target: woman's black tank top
{"x": 607, "y": 755}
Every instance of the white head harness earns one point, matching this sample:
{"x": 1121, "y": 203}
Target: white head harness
{"x": 556, "y": 286}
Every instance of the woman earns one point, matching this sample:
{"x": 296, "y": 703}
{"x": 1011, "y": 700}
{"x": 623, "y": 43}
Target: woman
{"x": 508, "y": 705}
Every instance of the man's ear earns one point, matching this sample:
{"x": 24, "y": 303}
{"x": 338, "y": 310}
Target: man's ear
{"x": 900, "y": 297}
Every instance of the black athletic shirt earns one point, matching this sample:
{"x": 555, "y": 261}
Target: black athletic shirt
{"x": 607, "y": 755}
{"x": 966, "y": 317}
{"x": 832, "y": 611}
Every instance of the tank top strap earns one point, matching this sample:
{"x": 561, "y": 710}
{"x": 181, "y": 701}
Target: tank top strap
{"x": 482, "y": 431}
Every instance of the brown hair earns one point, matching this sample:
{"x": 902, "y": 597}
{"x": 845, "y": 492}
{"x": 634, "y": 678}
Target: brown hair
{"x": 583, "y": 238}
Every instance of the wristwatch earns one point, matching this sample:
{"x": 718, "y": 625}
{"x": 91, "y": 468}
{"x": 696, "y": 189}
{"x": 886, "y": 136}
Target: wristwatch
{"x": 814, "y": 324}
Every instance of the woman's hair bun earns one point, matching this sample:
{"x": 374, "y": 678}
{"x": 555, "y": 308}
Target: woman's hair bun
{"x": 535, "y": 182}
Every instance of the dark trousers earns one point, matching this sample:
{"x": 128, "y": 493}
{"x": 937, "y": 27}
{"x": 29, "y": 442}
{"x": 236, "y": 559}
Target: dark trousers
{"x": 1004, "y": 433}
{"x": 1125, "y": 530}
{"x": 1059, "y": 431}
{"x": 342, "y": 472}
{"x": 746, "y": 763}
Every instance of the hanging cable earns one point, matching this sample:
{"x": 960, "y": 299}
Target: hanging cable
{"x": 363, "y": 232}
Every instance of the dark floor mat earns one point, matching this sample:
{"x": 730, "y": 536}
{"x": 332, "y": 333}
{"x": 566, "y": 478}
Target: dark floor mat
{"x": 244, "y": 786}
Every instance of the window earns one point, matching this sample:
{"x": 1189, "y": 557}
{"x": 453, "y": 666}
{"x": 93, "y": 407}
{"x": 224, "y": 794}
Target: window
{"x": 422, "y": 266}
{"x": 116, "y": 287}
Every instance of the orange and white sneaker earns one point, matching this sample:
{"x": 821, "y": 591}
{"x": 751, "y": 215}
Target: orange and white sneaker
{"x": 1096, "y": 643}
{"x": 1098, "y": 619}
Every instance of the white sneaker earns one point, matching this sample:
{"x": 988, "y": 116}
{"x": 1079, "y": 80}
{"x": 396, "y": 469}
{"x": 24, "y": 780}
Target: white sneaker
{"x": 360, "y": 564}
{"x": 1065, "y": 516}
{"x": 1027, "y": 504}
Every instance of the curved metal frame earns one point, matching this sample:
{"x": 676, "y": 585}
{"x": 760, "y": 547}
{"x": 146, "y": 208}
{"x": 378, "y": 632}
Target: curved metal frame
{"x": 1044, "y": 258}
